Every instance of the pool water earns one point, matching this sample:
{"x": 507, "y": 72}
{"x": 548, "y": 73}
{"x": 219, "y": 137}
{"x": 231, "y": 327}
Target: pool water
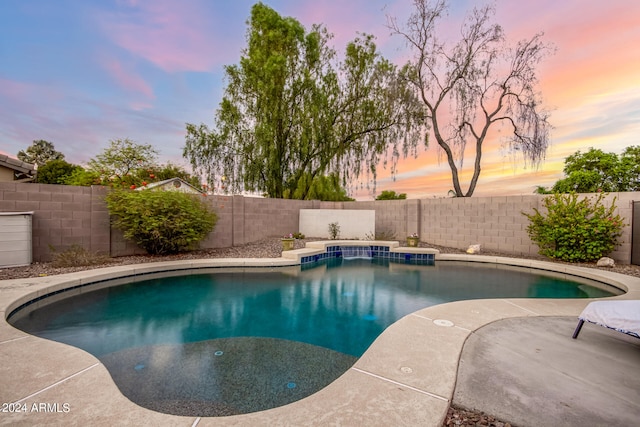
{"x": 225, "y": 343}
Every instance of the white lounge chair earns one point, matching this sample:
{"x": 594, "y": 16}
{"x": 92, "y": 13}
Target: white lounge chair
{"x": 620, "y": 315}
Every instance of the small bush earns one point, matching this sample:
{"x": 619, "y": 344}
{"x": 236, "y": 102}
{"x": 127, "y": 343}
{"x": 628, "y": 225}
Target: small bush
{"x": 298, "y": 235}
{"x": 77, "y": 256}
{"x": 384, "y": 235}
{"x": 334, "y": 230}
{"x": 575, "y": 230}
{"x": 161, "y": 222}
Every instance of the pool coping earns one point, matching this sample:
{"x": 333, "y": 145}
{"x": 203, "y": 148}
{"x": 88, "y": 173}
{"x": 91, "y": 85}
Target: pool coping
{"x": 406, "y": 377}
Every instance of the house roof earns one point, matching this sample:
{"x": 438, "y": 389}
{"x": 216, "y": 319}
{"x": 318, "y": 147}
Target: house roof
{"x": 17, "y": 165}
{"x": 170, "y": 181}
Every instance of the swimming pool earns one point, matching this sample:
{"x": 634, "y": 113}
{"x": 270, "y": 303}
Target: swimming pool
{"x": 232, "y": 342}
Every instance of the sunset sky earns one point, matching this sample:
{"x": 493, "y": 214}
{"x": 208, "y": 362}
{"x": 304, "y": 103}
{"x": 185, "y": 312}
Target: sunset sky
{"x": 80, "y": 73}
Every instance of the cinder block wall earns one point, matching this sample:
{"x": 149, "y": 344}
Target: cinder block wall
{"x": 624, "y": 207}
{"x": 63, "y": 216}
{"x": 241, "y": 220}
{"x": 391, "y": 216}
{"x": 265, "y": 217}
{"x": 67, "y": 215}
{"x": 222, "y": 236}
{"x": 496, "y": 223}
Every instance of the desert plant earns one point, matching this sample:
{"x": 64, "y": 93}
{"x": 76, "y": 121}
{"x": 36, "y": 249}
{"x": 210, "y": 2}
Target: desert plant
{"x": 298, "y": 235}
{"x": 575, "y": 230}
{"x": 76, "y": 256}
{"x": 334, "y": 230}
{"x": 161, "y": 222}
{"x": 385, "y": 235}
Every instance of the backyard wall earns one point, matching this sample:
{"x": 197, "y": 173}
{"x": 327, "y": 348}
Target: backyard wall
{"x": 71, "y": 215}
{"x": 496, "y": 223}
{"x": 67, "y": 215}
{"x": 62, "y": 216}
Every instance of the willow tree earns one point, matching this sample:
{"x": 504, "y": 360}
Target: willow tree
{"x": 475, "y": 83}
{"x": 292, "y": 112}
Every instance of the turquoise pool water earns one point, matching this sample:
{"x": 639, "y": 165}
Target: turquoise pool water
{"x": 225, "y": 342}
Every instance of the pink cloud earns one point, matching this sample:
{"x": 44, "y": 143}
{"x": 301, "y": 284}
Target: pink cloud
{"x": 343, "y": 19}
{"x": 18, "y": 93}
{"x": 78, "y": 126}
{"x": 574, "y": 23}
{"x": 173, "y": 37}
{"x": 591, "y": 42}
{"x": 128, "y": 79}
{"x": 589, "y": 85}
{"x": 23, "y": 103}
{"x": 13, "y": 89}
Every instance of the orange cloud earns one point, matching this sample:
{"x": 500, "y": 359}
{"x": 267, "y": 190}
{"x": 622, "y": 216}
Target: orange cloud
{"x": 591, "y": 86}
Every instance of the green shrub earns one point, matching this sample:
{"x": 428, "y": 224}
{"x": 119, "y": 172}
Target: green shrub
{"x": 161, "y": 222}
{"x": 575, "y": 230}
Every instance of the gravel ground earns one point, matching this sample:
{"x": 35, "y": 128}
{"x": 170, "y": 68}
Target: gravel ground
{"x": 272, "y": 248}
{"x": 265, "y": 248}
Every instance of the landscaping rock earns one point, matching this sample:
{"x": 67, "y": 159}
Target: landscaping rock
{"x": 606, "y": 262}
{"x": 473, "y": 249}
{"x": 458, "y": 417}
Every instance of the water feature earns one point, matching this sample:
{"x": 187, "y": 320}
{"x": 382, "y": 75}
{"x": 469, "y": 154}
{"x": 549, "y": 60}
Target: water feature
{"x": 353, "y": 252}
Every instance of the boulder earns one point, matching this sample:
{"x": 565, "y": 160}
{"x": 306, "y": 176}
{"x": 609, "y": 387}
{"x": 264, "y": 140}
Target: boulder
{"x": 473, "y": 249}
{"x": 605, "y": 262}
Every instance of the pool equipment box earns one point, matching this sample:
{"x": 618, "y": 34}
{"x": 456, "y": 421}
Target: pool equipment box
{"x": 354, "y": 223}
{"x": 15, "y": 238}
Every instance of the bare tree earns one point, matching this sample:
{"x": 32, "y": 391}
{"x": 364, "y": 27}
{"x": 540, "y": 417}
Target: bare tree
{"x": 469, "y": 86}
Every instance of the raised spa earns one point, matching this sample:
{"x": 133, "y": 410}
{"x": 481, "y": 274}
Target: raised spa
{"x": 224, "y": 341}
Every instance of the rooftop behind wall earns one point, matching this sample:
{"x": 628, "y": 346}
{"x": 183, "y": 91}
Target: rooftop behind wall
{"x": 67, "y": 215}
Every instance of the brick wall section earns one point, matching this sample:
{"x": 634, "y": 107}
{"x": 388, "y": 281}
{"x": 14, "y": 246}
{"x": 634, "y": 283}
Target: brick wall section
{"x": 624, "y": 207}
{"x": 269, "y": 217}
{"x": 414, "y": 217}
{"x": 391, "y": 216}
{"x": 67, "y": 215}
{"x": 100, "y": 230}
{"x": 495, "y": 223}
{"x": 222, "y": 236}
{"x": 239, "y": 218}
{"x": 63, "y": 216}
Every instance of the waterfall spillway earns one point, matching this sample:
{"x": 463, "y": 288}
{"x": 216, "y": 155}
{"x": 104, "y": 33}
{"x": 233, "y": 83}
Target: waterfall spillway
{"x": 350, "y": 252}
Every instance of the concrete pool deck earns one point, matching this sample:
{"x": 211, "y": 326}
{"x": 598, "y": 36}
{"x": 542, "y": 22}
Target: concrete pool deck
{"x": 407, "y": 377}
